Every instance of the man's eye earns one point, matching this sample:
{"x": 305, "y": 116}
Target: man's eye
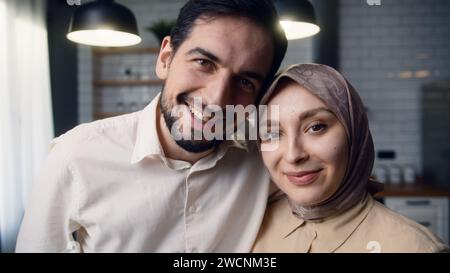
{"x": 204, "y": 63}
{"x": 247, "y": 84}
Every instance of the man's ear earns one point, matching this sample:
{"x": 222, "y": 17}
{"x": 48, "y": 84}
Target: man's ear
{"x": 164, "y": 58}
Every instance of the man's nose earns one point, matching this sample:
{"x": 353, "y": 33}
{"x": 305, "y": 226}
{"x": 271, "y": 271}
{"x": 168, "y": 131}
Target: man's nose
{"x": 295, "y": 151}
{"x": 219, "y": 91}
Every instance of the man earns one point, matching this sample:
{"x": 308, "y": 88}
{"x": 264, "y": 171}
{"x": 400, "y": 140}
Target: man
{"x": 126, "y": 184}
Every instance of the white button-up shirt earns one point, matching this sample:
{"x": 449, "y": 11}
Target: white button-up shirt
{"x": 110, "y": 183}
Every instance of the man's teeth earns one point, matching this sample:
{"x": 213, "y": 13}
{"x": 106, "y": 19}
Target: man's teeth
{"x": 196, "y": 113}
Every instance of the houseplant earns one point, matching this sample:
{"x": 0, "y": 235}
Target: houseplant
{"x": 161, "y": 28}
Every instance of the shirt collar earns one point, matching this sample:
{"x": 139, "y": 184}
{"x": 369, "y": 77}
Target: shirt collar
{"x": 292, "y": 222}
{"x": 147, "y": 141}
{"x": 332, "y": 232}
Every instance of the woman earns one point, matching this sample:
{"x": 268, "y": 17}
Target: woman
{"x": 319, "y": 152}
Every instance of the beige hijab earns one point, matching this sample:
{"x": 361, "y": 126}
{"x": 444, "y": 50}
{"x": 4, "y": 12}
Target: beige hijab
{"x": 341, "y": 98}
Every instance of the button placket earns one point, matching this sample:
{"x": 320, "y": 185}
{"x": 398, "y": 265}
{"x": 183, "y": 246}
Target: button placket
{"x": 190, "y": 210}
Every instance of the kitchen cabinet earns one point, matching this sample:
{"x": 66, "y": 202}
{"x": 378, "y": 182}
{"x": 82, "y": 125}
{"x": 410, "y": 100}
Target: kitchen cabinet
{"x": 425, "y": 204}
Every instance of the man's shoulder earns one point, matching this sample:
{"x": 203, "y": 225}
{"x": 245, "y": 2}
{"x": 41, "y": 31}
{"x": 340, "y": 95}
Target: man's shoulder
{"x": 100, "y": 132}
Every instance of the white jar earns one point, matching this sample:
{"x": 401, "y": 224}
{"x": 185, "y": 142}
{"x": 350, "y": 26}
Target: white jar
{"x": 409, "y": 174}
{"x": 381, "y": 174}
{"x": 395, "y": 174}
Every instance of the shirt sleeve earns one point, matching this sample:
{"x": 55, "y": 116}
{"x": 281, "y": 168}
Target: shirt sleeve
{"x": 51, "y": 214}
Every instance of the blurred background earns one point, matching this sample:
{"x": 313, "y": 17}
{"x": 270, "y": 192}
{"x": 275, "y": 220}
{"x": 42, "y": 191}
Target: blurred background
{"x": 395, "y": 53}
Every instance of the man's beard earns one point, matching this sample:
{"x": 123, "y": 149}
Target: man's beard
{"x": 190, "y": 145}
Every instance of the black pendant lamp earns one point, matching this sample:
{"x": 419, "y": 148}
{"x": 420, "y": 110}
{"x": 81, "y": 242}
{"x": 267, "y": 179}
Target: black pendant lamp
{"x": 103, "y": 23}
{"x": 297, "y": 17}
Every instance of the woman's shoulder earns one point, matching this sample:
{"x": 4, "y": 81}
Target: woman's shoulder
{"x": 397, "y": 233}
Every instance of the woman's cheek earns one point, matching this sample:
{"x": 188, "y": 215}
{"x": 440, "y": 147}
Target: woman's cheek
{"x": 330, "y": 149}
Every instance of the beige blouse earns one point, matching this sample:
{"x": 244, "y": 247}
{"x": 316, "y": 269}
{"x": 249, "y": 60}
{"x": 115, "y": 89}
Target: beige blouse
{"x": 367, "y": 227}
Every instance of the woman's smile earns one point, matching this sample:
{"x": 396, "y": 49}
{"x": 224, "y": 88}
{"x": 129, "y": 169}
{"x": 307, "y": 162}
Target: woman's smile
{"x": 303, "y": 178}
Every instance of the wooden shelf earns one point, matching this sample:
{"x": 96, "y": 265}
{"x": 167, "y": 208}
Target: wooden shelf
{"x": 412, "y": 190}
{"x": 100, "y": 83}
{"x": 98, "y": 54}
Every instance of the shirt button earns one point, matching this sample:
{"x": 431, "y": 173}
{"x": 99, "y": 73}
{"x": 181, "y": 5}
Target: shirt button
{"x": 192, "y": 209}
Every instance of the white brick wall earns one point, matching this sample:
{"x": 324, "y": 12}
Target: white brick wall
{"x": 383, "y": 50}
{"x": 299, "y": 51}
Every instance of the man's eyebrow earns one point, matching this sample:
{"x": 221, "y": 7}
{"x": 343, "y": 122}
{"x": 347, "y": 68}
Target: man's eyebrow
{"x": 313, "y": 112}
{"x": 251, "y": 74}
{"x": 204, "y": 52}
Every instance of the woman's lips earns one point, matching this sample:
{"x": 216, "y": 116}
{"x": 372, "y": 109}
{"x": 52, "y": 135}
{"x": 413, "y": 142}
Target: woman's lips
{"x": 303, "y": 178}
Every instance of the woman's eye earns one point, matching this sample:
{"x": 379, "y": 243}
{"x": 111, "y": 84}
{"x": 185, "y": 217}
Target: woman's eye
{"x": 318, "y": 127}
{"x": 270, "y": 136}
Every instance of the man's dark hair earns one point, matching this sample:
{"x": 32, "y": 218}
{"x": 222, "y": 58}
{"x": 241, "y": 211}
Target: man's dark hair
{"x": 262, "y": 12}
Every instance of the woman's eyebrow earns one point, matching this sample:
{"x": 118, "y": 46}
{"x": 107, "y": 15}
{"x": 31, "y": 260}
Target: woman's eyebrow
{"x": 313, "y": 112}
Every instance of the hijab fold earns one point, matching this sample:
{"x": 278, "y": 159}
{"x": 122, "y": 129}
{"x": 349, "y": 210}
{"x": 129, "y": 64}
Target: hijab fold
{"x": 341, "y": 98}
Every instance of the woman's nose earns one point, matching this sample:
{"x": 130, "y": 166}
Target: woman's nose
{"x": 295, "y": 151}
